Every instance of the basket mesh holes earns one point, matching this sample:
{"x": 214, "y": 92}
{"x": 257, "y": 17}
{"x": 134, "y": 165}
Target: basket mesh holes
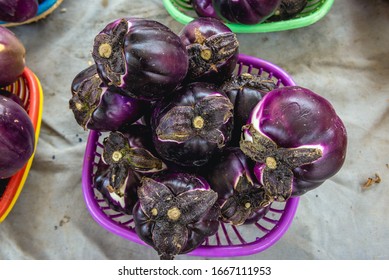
{"x": 20, "y": 88}
{"x": 183, "y": 5}
{"x": 229, "y": 235}
{"x": 118, "y": 217}
{"x": 243, "y": 68}
{"x": 277, "y": 207}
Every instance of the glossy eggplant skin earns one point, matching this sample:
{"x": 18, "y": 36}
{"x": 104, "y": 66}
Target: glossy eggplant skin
{"x": 96, "y": 106}
{"x": 245, "y": 91}
{"x": 204, "y": 8}
{"x": 305, "y": 140}
{"x": 245, "y": 11}
{"x": 175, "y": 213}
{"x": 125, "y": 196}
{"x": 18, "y": 10}
{"x": 143, "y": 58}
{"x": 17, "y": 137}
{"x": 12, "y": 57}
{"x": 242, "y": 199}
{"x": 192, "y": 125}
{"x": 212, "y": 48}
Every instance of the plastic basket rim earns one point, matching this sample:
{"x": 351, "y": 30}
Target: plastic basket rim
{"x": 17, "y": 181}
{"x": 205, "y": 251}
{"x": 265, "y": 27}
{"x": 44, "y": 9}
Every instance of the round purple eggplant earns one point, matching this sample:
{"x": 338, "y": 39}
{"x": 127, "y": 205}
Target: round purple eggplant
{"x": 241, "y": 198}
{"x": 98, "y": 107}
{"x": 245, "y": 11}
{"x": 130, "y": 148}
{"x": 17, "y": 137}
{"x": 204, "y": 8}
{"x": 245, "y": 91}
{"x": 18, "y": 10}
{"x": 288, "y": 9}
{"x": 125, "y": 196}
{"x": 175, "y": 213}
{"x": 12, "y": 57}
{"x": 212, "y": 49}
{"x": 191, "y": 125}
{"x": 143, "y": 58}
{"x": 297, "y": 140}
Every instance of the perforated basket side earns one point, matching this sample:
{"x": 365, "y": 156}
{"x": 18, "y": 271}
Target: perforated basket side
{"x": 183, "y": 12}
{"x": 230, "y": 240}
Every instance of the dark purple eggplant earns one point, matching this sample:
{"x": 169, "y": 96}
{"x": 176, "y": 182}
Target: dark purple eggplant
{"x": 245, "y": 91}
{"x": 242, "y": 199}
{"x": 204, "y": 8}
{"x": 125, "y": 196}
{"x": 12, "y": 57}
{"x": 97, "y": 107}
{"x": 245, "y": 11}
{"x": 175, "y": 213}
{"x": 212, "y": 49}
{"x": 130, "y": 148}
{"x": 288, "y": 9}
{"x": 17, "y": 137}
{"x": 297, "y": 140}
{"x": 18, "y": 10}
{"x": 143, "y": 58}
{"x": 191, "y": 125}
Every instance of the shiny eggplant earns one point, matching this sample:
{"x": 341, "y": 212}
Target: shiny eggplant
{"x": 17, "y": 137}
{"x": 297, "y": 140}
{"x": 245, "y": 91}
{"x": 143, "y": 58}
{"x": 130, "y": 148}
{"x": 18, "y": 10}
{"x": 190, "y": 126}
{"x": 175, "y": 213}
{"x": 245, "y": 11}
{"x": 12, "y": 57}
{"x": 98, "y": 107}
{"x": 242, "y": 199}
{"x": 212, "y": 49}
{"x": 204, "y": 8}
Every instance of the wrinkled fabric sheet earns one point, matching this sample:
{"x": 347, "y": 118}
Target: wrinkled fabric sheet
{"x": 344, "y": 57}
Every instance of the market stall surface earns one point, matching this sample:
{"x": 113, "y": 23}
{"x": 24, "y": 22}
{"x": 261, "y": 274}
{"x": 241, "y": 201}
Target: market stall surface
{"x": 343, "y": 57}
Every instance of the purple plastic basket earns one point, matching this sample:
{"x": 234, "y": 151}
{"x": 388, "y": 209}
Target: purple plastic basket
{"x": 229, "y": 241}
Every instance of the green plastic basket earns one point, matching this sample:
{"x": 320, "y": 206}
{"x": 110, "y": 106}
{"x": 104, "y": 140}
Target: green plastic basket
{"x": 182, "y": 11}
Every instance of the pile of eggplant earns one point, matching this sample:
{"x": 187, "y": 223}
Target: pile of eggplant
{"x": 17, "y": 136}
{"x": 188, "y": 144}
{"x": 248, "y": 12}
